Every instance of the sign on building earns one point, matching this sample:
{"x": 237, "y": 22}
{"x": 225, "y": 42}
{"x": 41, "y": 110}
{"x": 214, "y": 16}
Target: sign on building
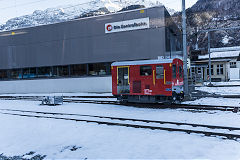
{"x": 188, "y": 63}
{"x": 135, "y": 24}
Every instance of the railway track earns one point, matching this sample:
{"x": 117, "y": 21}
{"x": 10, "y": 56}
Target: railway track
{"x": 159, "y": 105}
{"x": 90, "y": 99}
{"x": 224, "y": 132}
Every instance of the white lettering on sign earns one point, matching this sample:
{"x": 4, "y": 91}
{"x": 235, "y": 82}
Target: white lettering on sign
{"x": 147, "y": 91}
{"x": 129, "y": 25}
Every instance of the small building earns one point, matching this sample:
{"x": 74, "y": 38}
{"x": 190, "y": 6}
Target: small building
{"x": 225, "y": 65}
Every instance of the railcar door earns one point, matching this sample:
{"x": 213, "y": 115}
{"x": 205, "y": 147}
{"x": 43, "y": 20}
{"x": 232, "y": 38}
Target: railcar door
{"x": 163, "y": 80}
{"x": 123, "y": 86}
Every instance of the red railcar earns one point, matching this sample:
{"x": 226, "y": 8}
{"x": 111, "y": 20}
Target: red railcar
{"x": 148, "y": 81}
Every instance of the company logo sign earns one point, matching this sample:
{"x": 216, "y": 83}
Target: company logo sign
{"x": 147, "y": 92}
{"x": 129, "y": 25}
{"x": 109, "y": 28}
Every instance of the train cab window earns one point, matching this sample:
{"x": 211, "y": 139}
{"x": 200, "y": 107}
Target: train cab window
{"x": 160, "y": 72}
{"x": 180, "y": 72}
{"x": 174, "y": 71}
{"x": 145, "y": 70}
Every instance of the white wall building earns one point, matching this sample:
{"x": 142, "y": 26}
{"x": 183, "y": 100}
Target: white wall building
{"x": 225, "y": 64}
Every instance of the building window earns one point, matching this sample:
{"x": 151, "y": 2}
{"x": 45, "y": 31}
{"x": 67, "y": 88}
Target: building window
{"x": 78, "y": 70}
{"x": 97, "y": 69}
{"x": 174, "y": 71}
{"x": 63, "y": 71}
{"x": 3, "y": 74}
{"x": 16, "y": 74}
{"x": 212, "y": 73}
{"x": 32, "y": 72}
{"x": 145, "y": 70}
{"x": 159, "y": 72}
{"x": 220, "y": 69}
{"x": 43, "y": 71}
{"x": 54, "y": 71}
{"x": 57, "y": 71}
{"x": 233, "y": 65}
{"x": 199, "y": 70}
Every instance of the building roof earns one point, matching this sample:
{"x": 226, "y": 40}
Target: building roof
{"x": 215, "y": 60}
{"x": 155, "y": 61}
{"x": 220, "y": 54}
{"x": 223, "y": 49}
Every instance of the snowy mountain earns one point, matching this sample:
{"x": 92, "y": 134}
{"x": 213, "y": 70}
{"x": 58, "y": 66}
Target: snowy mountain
{"x": 206, "y": 14}
{"x": 64, "y": 13}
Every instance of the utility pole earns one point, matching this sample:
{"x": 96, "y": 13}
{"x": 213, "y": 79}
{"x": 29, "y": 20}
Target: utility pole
{"x": 186, "y": 92}
{"x": 209, "y": 60}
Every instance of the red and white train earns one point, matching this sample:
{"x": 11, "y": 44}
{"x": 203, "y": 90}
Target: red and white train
{"x": 148, "y": 81}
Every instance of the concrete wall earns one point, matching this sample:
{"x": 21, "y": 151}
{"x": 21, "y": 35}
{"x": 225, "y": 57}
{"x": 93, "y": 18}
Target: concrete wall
{"x": 89, "y": 84}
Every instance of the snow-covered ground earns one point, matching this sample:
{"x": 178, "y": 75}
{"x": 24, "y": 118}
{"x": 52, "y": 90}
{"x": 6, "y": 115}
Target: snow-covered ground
{"x": 221, "y": 90}
{"x": 56, "y": 138}
{"x": 231, "y": 90}
{"x": 233, "y": 102}
{"x": 61, "y": 139}
{"x": 224, "y": 83}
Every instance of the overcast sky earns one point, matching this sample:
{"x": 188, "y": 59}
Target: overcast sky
{"x": 14, "y": 8}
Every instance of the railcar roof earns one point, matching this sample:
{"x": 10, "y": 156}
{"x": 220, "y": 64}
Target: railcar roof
{"x": 155, "y": 61}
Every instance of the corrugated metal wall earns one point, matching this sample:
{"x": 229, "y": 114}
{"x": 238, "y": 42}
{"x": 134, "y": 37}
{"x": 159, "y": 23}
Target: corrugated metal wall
{"x": 84, "y": 41}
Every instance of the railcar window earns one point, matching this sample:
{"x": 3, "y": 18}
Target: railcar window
{"x": 180, "y": 72}
{"x": 160, "y": 72}
{"x": 145, "y": 70}
{"x": 174, "y": 71}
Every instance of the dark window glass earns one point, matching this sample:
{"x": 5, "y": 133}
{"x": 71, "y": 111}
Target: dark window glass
{"x": 180, "y": 71}
{"x": 97, "y": 69}
{"x": 32, "y": 72}
{"x": 63, "y": 71}
{"x": 26, "y": 73}
{"x": 16, "y": 74}
{"x": 78, "y": 70}
{"x": 212, "y": 73}
{"x": 160, "y": 72}
{"x": 54, "y": 71}
{"x": 43, "y": 71}
{"x": 3, "y": 74}
{"x": 145, "y": 70}
{"x": 174, "y": 71}
{"x": 233, "y": 64}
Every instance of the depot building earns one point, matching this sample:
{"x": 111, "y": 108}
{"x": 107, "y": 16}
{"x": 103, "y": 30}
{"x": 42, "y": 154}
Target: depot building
{"x": 76, "y": 56}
